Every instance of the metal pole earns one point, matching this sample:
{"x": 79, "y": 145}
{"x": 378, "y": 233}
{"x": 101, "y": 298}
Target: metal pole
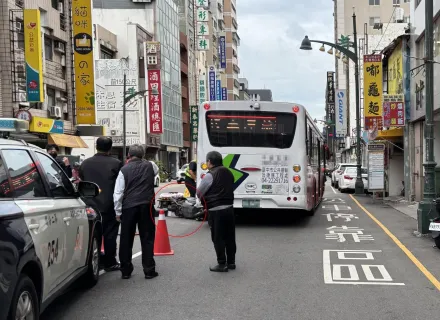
{"x": 124, "y": 131}
{"x": 359, "y": 185}
{"x": 425, "y": 205}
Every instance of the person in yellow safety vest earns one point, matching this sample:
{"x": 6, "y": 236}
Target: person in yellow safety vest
{"x": 190, "y": 178}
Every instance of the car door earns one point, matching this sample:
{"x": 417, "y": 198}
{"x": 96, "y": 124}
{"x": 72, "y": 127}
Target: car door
{"x": 42, "y": 218}
{"x": 73, "y": 212}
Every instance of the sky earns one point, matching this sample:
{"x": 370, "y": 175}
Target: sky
{"x": 269, "y": 56}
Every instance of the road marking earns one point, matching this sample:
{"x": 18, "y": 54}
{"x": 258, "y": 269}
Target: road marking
{"x": 334, "y": 191}
{"x": 137, "y": 254}
{"x": 409, "y": 254}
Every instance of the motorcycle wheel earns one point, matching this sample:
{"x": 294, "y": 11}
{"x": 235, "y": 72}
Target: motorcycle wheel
{"x": 437, "y": 242}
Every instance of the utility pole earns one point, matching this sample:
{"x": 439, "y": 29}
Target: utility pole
{"x": 124, "y": 120}
{"x": 426, "y": 205}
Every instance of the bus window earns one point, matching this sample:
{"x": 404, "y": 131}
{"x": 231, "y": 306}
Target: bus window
{"x": 251, "y": 129}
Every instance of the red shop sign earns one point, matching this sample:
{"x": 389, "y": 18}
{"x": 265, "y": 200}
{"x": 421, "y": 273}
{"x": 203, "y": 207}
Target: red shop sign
{"x": 155, "y": 102}
{"x": 393, "y": 114}
{"x": 373, "y": 122}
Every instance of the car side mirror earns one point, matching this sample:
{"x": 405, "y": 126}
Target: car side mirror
{"x": 88, "y": 189}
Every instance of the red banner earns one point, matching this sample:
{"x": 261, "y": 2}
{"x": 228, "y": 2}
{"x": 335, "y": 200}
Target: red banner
{"x": 373, "y": 123}
{"x": 393, "y": 111}
{"x": 155, "y": 102}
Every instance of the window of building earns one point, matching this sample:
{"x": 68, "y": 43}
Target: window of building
{"x": 48, "y": 48}
{"x": 374, "y": 20}
{"x": 395, "y": 2}
{"x": 50, "y": 97}
{"x": 55, "y": 4}
{"x": 374, "y": 2}
{"x": 106, "y": 53}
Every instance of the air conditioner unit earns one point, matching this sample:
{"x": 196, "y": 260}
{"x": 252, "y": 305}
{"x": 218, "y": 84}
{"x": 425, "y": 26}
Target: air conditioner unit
{"x": 398, "y": 15}
{"x": 60, "y": 46}
{"x": 61, "y": 7}
{"x": 55, "y": 111}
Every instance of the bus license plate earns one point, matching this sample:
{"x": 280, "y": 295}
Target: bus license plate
{"x": 434, "y": 226}
{"x": 251, "y": 203}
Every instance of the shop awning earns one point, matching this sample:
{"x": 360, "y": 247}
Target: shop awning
{"x": 65, "y": 140}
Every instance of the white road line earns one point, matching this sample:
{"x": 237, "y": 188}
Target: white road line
{"x": 334, "y": 191}
{"x": 137, "y": 254}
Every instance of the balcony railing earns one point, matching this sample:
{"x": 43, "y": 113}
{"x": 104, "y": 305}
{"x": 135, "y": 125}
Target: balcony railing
{"x": 63, "y": 22}
{"x": 234, "y": 23}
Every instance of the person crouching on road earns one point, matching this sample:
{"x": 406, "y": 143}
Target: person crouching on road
{"x": 190, "y": 178}
{"x": 133, "y": 194}
{"x": 217, "y": 188}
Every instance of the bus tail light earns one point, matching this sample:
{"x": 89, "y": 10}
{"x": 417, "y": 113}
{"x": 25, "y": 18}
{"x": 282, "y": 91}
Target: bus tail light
{"x": 295, "y": 109}
{"x": 253, "y": 169}
{"x": 296, "y": 178}
{"x": 204, "y": 166}
{"x": 348, "y": 178}
{"x": 206, "y": 106}
{"x": 296, "y": 188}
{"x": 297, "y": 168}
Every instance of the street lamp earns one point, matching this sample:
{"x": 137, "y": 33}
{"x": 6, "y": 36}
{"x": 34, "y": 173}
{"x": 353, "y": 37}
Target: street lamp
{"x": 306, "y": 44}
{"x": 127, "y": 99}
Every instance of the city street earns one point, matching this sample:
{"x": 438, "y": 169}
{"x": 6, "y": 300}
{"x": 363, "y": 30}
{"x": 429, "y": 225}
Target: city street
{"x": 345, "y": 262}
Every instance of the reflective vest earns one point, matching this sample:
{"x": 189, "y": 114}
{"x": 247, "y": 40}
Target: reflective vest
{"x": 187, "y": 170}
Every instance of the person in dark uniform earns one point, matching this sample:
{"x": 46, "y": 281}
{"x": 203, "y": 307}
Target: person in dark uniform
{"x": 133, "y": 194}
{"x": 103, "y": 170}
{"x": 217, "y": 188}
{"x": 53, "y": 150}
{"x": 191, "y": 177}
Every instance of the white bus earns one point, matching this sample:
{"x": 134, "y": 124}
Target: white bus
{"x": 274, "y": 150}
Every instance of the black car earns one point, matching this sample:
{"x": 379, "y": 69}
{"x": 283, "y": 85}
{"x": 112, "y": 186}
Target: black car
{"x": 49, "y": 237}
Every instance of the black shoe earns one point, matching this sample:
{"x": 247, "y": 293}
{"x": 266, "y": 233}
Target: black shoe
{"x": 231, "y": 266}
{"x": 219, "y": 268}
{"x": 115, "y": 267}
{"x": 151, "y": 274}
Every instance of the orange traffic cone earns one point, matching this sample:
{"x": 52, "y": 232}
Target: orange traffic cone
{"x": 162, "y": 245}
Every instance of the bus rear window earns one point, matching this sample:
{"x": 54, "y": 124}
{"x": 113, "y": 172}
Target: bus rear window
{"x": 251, "y": 129}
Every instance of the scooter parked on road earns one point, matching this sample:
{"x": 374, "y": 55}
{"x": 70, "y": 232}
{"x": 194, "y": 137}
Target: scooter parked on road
{"x": 434, "y": 226}
{"x": 180, "y": 206}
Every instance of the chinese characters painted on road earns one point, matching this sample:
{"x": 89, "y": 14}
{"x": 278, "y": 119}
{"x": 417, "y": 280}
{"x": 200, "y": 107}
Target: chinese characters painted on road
{"x": 155, "y": 102}
{"x": 373, "y": 91}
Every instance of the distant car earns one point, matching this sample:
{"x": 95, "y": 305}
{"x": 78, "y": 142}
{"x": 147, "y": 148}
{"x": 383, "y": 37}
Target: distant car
{"x": 347, "y": 179}
{"x": 157, "y": 177}
{"x": 50, "y": 236}
{"x": 337, "y": 172}
{"x": 181, "y": 173}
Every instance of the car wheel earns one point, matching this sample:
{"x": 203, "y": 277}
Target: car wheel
{"x": 91, "y": 278}
{"x": 25, "y": 301}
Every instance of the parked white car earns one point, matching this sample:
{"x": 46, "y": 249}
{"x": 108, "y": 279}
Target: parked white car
{"x": 337, "y": 172}
{"x": 347, "y": 178}
{"x": 181, "y": 173}
{"x": 157, "y": 177}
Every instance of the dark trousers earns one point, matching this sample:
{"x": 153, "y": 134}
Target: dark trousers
{"x": 110, "y": 228}
{"x": 140, "y": 216}
{"x": 191, "y": 186}
{"x": 222, "y": 224}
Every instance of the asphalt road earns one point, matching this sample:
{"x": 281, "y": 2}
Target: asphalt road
{"x": 288, "y": 267}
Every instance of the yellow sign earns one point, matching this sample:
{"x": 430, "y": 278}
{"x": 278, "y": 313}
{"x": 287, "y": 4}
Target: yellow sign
{"x": 373, "y": 91}
{"x": 395, "y": 71}
{"x": 46, "y": 125}
{"x": 394, "y": 132}
{"x": 83, "y": 55}
{"x": 33, "y": 55}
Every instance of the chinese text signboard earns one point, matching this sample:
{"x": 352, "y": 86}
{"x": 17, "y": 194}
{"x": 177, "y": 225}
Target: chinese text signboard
{"x": 83, "y": 56}
{"x": 33, "y": 55}
{"x": 376, "y": 167}
{"x": 224, "y": 93}
{"x": 212, "y": 85}
{"x": 194, "y": 123}
{"x": 109, "y": 99}
{"x": 202, "y": 89}
{"x": 341, "y": 113}
{"x": 330, "y": 93}
{"x": 222, "y": 52}
{"x": 155, "y": 102}
{"x": 373, "y": 91}
{"x": 393, "y": 110}
{"x": 218, "y": 89}
{"x": 202, "y": 18}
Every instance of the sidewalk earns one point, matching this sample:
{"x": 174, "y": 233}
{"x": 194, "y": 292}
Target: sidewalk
{"x": 400, "y": 204}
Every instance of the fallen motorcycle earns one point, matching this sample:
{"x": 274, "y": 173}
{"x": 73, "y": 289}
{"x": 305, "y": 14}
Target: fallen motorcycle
{"x": 181, "y": 206}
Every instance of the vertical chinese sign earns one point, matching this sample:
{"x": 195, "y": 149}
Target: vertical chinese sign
{"x": 222, "y": 51}
{"x": 202, "y": 89}
{"x": 202, "y": 30}
{"x": 155, "y": 102}
{"x": 341, "y": 113}
{"x": 373, "y": 92}
{"x": 224, "y": 93}
{"x": 393, "y": 110}
{"x": 218, "y": 89}
{"x": 330, "y": 94}
{"x": 83, "y": 66}
{"x": 33, "y": 55}
{"x": 212, "y": 85}
{"x": 194, "y": 123}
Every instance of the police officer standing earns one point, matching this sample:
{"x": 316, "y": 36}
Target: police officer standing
{"x": 191, "y": 177}
{"x": 217, "y": 188}
{"x": 132, "y": 196}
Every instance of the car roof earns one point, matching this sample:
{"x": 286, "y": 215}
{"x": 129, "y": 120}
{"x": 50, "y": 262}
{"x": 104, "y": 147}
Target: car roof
{"x": 18, "y": 143}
